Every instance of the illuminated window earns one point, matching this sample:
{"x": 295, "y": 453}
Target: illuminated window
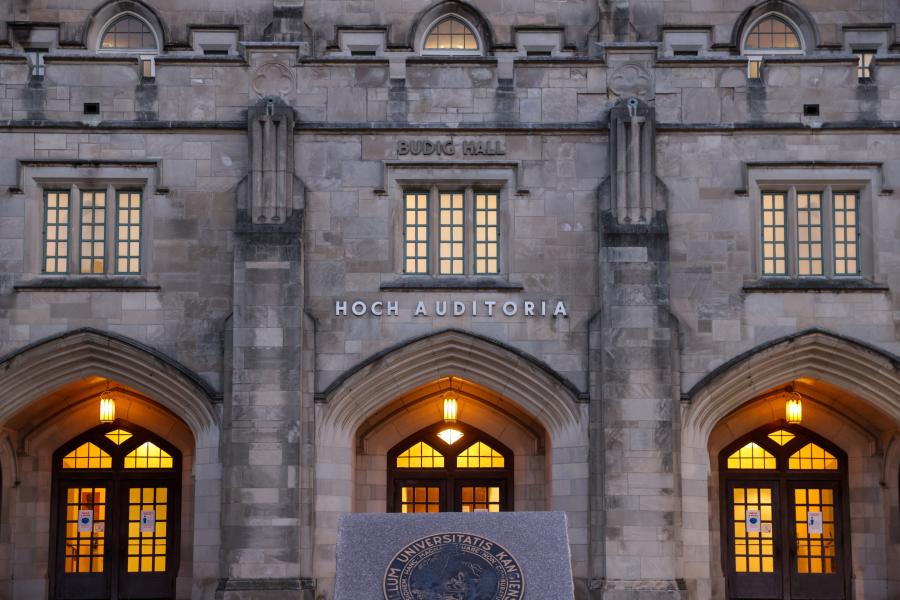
{"x": 451, "y": 436}
{"x": 754, "y": 67}
{"x": 821, "y": 240}
{"x": 85, "y": 529}
{"x": 816, "y": 552}
{"x": 774, "y": 225}
{"x": 420, "y": 456}
{"x": 451, "y": 35}
{"x": 846, "y": 234}
{"x": 93, "y": 232}
{"x": 460, "y": 235}
{"x": 128, "y": 33}
{"x": 87, "y": 456}
{"x": 813, "y": 457}
{"x": 479, "y": 456}
{"x": 450, "y": 253}
{"x": 772, "y": 33}
{"x": 118, "y": 436}
{"x": 148, "y": 518}
{"x": 415, "y": 232}
{"x": 420, "y": 499}
{"x": 751, "y": 456}
{"x": 487, "y": 234}
{"x": 809, "y": 234}
{"x": 480, "y": 498}
{"x": 864, "y": 68}
{"x": 56, "y": 231}
{"x": 148, "y": 456}
{"x": 128, "y": 232}
{"x": 781, "y": 437}
{"x": 754, "y": 550}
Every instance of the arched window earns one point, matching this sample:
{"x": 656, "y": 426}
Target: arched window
{"x": 772, "y": 34}
{"x": 451, "y": 35}
{"x": 450, "y": 468}
{"x": 128, "y": 33}
{"x": 784, "y": 515}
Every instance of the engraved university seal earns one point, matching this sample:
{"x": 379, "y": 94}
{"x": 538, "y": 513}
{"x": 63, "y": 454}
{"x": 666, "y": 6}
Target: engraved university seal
{"x": 454, "y": 566}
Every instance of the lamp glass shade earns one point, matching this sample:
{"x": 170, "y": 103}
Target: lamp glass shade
{"x": 793, "y": 409}
{"x": 107, "y": 408}
{"x": 450, "y": 408}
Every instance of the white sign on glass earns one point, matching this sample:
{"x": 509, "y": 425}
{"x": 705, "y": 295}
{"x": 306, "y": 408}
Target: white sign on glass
{"x": 85, "y": 521}
{"x": 753, "y": 521}
{"x": 814, "y": 522}
{"x": 148, "y": 521}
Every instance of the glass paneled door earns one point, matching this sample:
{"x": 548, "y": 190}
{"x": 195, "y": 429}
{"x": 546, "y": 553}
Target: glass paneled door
{"x": 784, "y": 517}
{"x": 115, "y": 516}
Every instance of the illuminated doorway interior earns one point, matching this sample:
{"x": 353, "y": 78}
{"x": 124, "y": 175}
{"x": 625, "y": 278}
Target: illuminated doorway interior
{"x": 450, "y": 468}
{"x": 785, "y": 516}
{"x": 115, "y": 515}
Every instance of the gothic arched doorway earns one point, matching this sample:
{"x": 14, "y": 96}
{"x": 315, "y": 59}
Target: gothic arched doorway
{"x": 115, "y": 515}
{"x": 450, "y": 468}
{"x": 785, "y": 516}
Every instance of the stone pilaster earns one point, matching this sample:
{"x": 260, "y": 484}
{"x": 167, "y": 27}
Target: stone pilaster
{"x": 261, "y": 523}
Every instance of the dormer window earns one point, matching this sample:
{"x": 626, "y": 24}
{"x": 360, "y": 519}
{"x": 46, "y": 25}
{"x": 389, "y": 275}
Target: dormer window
{"x": 773, "y": 34}
{"x": 451, "y": 35}
{"x": 129, "y": 33}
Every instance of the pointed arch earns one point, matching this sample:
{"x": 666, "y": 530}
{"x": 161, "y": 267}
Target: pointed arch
{"x": 532, "y": 385}
{"x": 465, "y": 12}
{"x": 854, "y": 366}
{"x": 802, "y": 21}
{"x": 110, "y": 12}
{"x": 40, "y": 368}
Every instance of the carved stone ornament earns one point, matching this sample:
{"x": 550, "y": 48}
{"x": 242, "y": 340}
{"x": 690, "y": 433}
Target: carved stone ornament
{"x": 631, "y": 80}
{"x": 273, "y": 79}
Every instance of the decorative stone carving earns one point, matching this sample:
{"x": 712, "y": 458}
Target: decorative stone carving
{"x": 271, "y": 128}
{"x": 631, "y": 80}
{"x": 632, "y": 161}
{"x": 273, "y": 79}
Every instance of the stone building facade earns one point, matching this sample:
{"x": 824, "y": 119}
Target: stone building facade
{"x": 621, "y": 234}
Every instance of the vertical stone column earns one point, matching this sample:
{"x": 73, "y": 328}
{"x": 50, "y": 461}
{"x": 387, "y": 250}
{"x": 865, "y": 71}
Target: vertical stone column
{"x": 635, "y": 536}
{"x": 261, "y": 447}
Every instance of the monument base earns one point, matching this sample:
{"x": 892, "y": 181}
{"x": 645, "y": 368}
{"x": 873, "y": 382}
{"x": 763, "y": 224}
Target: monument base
{"x": 647, "y": 589}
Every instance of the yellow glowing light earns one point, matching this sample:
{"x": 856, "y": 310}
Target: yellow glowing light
{"x": 451, "y": 436}
{"x": 793, "y": 408}
{"x": 107, "y": 408}
{"x": 450, "y": 409}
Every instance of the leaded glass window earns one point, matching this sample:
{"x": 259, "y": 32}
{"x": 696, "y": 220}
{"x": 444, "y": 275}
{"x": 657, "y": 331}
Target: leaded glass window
{"x": 772, "y": 33}
{"x": 809, "y": 234}
{"x": 415, "y": 232}
{"x": 56, "y": 231}
{"x": 93, "y": 232}
{"x": 128, "y": 33}
{"x": 774, "y": 224}
{"x": 128, "y": 236}
{"x": 487, "y": 233}
{"x": 449, "y": 35}
{"x": 452, "y": 231}
{"x": 846, "y": 234}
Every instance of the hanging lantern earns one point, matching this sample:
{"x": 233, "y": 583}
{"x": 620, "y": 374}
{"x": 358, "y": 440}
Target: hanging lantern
{"x": 450, "y": 408}
{"x": 107, "y": 407}
{"x": 793, "y": 408}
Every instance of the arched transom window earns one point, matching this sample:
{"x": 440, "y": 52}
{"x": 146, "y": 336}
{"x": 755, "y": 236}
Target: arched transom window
{"x": 773, "y": 33}
{"x": 128, "y": 33}
{"x": 451, "y": 35}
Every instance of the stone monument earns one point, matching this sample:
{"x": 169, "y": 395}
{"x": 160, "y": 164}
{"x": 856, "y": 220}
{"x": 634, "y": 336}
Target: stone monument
{"x": 454, "y": 556}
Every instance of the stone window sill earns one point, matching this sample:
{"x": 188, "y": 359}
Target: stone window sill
{"x": 76, "y": 284}
{"x": 411, "y": 284}
{"x": 813, "y": 285}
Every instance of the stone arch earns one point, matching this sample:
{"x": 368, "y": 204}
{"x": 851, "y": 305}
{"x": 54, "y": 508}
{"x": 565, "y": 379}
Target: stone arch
{"x": 469, "y": 13}
{"x": 526, "y": 381}
{"x": 794, "y": 13}
{"x": 850, "y": 388}
{"x": 46, "y": 365}
{"x": 854, "y": 366}
{"x": 103, "y": 15}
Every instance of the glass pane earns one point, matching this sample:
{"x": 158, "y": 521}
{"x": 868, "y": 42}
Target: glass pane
{"x": 480, "y": 499}
{"x": 781, "y": 437}
{"x": 128, "y": 33}
{"x": 87, "y": 456}
{"x": 451, "y": 34}
{"x": 118, "y": 436}
{"x": 751, "y": 456}
{"x": 809, "y": 234}
{"x": 754, "y": 548}
{"x": 85, "y": 529}
{"x": 148, "y": 456}
{"x": 772, "y": 33}
{"x": 147, "y": 520}
{"x": 56, "y": 232}
{"x": 128, "y": 218}
{"x": 774, "y": 249}
{"x": 415, "y": 232}
{"x": 451, "y": 259}
{"x": 451, "y": 436}
{"x": 814, "y": 526}
{"x": 486, "y": 233}
{"x": 93, "y": 232}
{"x": 420, "y": 499}
{"x": 813, "y": 456}
{"x": 480, "y": 456}
{"x": 420, "y": 456}
{"x": 846, "y": 234}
